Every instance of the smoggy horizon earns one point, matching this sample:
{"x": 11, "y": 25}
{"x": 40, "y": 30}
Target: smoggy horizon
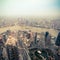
{"x": 42, "y": 8}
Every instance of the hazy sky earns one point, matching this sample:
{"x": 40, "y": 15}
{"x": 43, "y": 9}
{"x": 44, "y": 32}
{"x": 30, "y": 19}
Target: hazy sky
{"x": 29, "y": 7}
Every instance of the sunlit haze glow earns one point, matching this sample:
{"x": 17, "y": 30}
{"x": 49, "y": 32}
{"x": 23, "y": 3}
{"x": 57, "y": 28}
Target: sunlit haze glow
{"x": 29, "y": 8}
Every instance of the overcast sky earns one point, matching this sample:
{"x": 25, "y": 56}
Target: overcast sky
{"x": 29, "y": 7}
